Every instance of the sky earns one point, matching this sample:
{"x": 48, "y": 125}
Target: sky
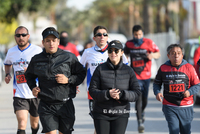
{"x": 79, "y": 4}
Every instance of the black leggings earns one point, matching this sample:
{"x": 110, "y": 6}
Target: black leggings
{"x": 140, "y": 105}
{"x": 117, "y": 126}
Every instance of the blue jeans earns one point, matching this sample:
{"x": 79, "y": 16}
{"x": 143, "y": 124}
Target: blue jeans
{"x": 178, "y": 118}
{"x": 144, "y": 84}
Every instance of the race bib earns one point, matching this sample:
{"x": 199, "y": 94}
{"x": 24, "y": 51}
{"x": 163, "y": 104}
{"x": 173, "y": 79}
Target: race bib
{"x": 20, "y": 77}
{"x": 138, "y": 63}
{"x": 174, "y": 88}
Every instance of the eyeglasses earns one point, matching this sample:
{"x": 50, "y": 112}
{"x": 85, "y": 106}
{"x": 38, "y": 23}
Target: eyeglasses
{"x": 23, "y": 35}
{"x": 111, "y": 50}
{"x": 100, "y": 34}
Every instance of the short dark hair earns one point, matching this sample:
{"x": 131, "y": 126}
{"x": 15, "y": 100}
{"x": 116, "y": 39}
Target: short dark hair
{"x": 20, "y": 27}
{"x": 99, "y": 27}
{"x": 62, "y": 33}
{"x": 169, "y": 48}
{"x": 136, "y": 28}
{"x": 49, "y": 29}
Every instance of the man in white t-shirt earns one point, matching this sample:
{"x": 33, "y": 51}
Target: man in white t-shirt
{"x": 18, "y": 58}
{"x": 96, "y": 55}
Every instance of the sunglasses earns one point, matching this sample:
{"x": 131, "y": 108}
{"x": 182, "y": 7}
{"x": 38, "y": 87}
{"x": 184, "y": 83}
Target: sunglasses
{"x": 23, "y": 35}
{"x": 100, "y": 34}
{"x": 111, "y": 50}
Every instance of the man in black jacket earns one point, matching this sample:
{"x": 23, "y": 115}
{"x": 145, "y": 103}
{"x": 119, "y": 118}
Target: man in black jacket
{"x": 58, "y": 72}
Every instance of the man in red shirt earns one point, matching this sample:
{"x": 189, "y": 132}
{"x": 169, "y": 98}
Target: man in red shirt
{"x": 141, "y": 51}
{"x": 68, "y": 46}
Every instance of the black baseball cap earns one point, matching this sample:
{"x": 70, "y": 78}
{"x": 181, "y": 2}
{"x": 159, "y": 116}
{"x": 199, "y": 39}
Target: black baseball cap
{"x": 50, "y": 32}
{"x": 115, "y": 44}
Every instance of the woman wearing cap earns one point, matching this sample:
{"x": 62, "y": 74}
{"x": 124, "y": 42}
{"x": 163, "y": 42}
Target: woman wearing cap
{"x": 113, "y": 86}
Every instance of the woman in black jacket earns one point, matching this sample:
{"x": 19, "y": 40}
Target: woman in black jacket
{"x": 113, "y": 86}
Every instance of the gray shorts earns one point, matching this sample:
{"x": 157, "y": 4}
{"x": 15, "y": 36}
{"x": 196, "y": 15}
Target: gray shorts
{"x": 26, "y": 104}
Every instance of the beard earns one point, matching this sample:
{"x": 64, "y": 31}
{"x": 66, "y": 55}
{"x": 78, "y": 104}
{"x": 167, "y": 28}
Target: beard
{"x": 22, "y": 43}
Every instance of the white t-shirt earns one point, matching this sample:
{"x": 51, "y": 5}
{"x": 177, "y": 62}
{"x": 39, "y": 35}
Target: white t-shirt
{"x": 91, "y": 59}
{"x": 20, "y": 59}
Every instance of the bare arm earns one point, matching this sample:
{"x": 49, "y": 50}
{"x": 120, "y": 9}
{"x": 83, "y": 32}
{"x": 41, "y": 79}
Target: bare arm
{"x": 155, "y": 55}
{"x": 8, "y": 71}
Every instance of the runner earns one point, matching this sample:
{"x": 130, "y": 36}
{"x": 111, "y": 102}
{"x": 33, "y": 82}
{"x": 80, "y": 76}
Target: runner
{"x": 58, "y": 73}
{"x": 180, "y": 83}
{"x": 141, "y": 51}
{"x": 18, "y": 58}
{"x": 113, "y": 86}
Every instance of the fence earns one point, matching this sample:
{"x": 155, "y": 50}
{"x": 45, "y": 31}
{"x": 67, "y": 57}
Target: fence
{"x": 162, "y": 40}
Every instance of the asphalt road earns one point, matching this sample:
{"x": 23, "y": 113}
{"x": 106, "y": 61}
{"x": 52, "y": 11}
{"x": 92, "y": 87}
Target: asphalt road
{"x": 154, "y": 119}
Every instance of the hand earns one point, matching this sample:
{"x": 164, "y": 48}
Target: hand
{"x": 114, "y": 93}
{"x": 61, "y": 78}
{"x": 8, "y": 78}
{"x": 159, "y": 97}
{"x": 117, "y": 97}
{"x": 149, "y": 56}
{"x": 35, "y": 91}
{"x": 186, "y": 94}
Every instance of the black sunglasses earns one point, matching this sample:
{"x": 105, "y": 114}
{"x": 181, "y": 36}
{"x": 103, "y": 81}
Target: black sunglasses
{"x": 100, "y": 34}
{"x": 23, "y": 35}
{"x": 111, "y": 50}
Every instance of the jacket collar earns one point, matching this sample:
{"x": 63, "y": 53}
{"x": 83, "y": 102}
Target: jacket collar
{"x": 96, "y": 48}
{"x": 182, "y": 63}
{"x": 114, "y": 67}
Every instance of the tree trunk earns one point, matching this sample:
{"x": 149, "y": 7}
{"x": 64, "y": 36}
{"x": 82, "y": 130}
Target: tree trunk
{"x": 181, "y": 24}
{"x": 158, "y": 23}
{"x": 145, "y": 16}
{"x": 167, "y": 19}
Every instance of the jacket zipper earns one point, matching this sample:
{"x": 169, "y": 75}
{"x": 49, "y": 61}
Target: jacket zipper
{"x": 49, "y": 71}
{"x": 115, "y": 84}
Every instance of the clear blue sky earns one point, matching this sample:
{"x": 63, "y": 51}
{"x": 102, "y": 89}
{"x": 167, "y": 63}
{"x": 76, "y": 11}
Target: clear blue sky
{"x": 79, "y": 4}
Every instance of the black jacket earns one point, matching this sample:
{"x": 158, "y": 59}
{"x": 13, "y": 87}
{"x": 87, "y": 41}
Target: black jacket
{"x": 107, "y": 76}
{"x": 45, "y": 66}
